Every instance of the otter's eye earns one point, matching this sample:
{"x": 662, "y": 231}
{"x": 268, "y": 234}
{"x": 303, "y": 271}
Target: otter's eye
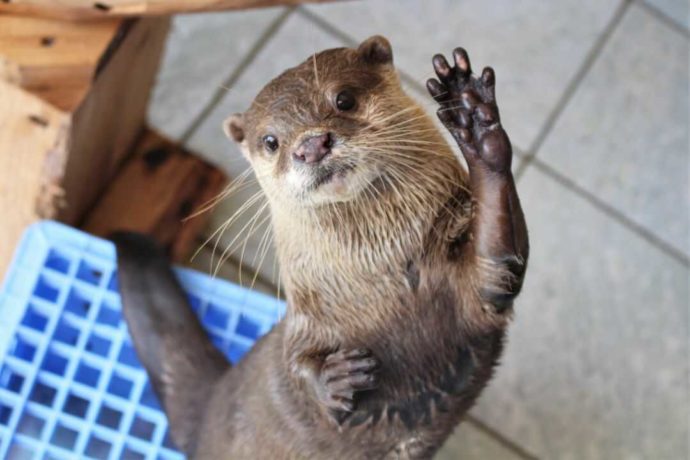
{"x": 345, "y": 100}
{"x": 271, "y": 143}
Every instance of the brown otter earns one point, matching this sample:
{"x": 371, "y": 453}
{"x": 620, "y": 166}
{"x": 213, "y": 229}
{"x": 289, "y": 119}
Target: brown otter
{"x": 399, "y": 268}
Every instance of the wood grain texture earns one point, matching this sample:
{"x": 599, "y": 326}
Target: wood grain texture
{"x": 55, "y": 163}
{"x": 156, "y": 190}
{"x": 89, "y": 9}
{"x": 32, "y": 133}
{"x": 111, "y": 117}
{"x": 53, "y": 59}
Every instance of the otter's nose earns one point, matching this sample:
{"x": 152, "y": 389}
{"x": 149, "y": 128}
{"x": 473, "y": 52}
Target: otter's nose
{"x": 313, "y": 149}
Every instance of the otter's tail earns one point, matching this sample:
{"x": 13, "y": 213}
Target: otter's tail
{"x": 182, "y": 363}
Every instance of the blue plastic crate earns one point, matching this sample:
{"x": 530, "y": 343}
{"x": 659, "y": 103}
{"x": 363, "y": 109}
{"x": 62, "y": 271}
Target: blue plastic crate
{"x": 70, "y": 383}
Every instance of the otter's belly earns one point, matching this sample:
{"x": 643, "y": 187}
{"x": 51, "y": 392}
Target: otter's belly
{"x": 432, "y": 371}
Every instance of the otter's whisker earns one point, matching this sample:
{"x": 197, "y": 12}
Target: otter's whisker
{"x": 231, "y": 188}
{"x": 228, "y": 250}
{"x": 248, "y": 235}
{"x": 253, "y": 199}
{"x": 263, "y": 249}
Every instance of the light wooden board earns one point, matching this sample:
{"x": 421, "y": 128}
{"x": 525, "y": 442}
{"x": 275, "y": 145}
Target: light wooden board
{"x": 53, "y": 59}
{"x": 30, "y": 132}
{"x": 111, "y": 117}
{"x": 89, "y": 9}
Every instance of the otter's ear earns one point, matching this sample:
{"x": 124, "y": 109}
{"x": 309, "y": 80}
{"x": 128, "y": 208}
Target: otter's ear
{"x": 376, "y": 50}
{"x": 234, "y": 127}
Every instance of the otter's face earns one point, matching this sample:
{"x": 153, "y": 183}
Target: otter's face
{"x": 305, "y": 134}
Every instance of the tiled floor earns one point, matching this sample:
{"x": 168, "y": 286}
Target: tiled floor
{"x": 594, "y": 94}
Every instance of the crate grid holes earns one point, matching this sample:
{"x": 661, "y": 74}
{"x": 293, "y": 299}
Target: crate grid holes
{"x": 70, "y": 382}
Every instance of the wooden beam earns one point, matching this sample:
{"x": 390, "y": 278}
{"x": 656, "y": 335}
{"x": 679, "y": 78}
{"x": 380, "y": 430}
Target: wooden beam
{"x": 157, "y": 188}
{"x": 90, "y": 9}
{"x": 53, "y": 59}
{"x": 111, "y": 117}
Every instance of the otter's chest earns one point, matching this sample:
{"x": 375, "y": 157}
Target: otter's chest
{"x": 430, "y": 366}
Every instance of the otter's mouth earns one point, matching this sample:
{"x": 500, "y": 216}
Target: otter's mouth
{"x": 325, "y": 175}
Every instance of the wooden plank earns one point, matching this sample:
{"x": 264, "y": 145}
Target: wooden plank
{"x": 154, "y": 192}
{"x": 53, "y": 59}
{"x": 89, "y": 9}
{"x": 109, "y": 120}
{"x": 55, "y": 163}
{"x": 31, "y": 131}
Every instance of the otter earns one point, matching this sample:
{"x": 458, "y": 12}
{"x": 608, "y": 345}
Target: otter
{"x": 399, "y": 265}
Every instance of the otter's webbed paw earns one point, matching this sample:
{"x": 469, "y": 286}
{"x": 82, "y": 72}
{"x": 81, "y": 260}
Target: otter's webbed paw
{"x": 469, "y": 111}
{"x": 343, "y": 374}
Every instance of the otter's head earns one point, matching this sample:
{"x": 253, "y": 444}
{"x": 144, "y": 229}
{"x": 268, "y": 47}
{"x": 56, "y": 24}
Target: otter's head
{"x": 319, "y": 132}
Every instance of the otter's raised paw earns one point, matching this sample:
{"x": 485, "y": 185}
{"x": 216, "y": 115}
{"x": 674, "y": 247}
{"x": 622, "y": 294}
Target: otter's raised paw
{"x": 469, "y": 111}
{"x": 344, "y": 373}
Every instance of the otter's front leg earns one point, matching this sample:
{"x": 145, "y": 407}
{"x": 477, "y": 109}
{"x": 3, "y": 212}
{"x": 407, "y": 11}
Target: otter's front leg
{"x": 334, "y": 380}
{"x": 498, "y": 230}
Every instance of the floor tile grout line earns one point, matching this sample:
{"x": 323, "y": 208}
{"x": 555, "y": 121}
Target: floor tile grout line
{"x": 612, "y": 212}
{"x": 509, "y": 444}
{"x": 664, "y": 18}
{"x": 236, "y": 73}
{"x": 350, "y": 41}
{"x": 326, "y": 26}
{"x": 531, "y": 156}
{"x": 574, "y": 84}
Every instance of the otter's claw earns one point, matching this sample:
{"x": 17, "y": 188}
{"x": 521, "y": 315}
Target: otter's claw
{"x": 344, "y": 373}
{"x": 469, "y": 111}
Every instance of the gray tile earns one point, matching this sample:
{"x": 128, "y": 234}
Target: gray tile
{"x": 469, "y": 443}
{"x": 624, "y": 135}
{"x": 202, "y": 50}
{"x": 596, "y": 364}
{"x": 676, "y": 10}
{"x": 535, "y": 46}
{"x": 293, "y": 43}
